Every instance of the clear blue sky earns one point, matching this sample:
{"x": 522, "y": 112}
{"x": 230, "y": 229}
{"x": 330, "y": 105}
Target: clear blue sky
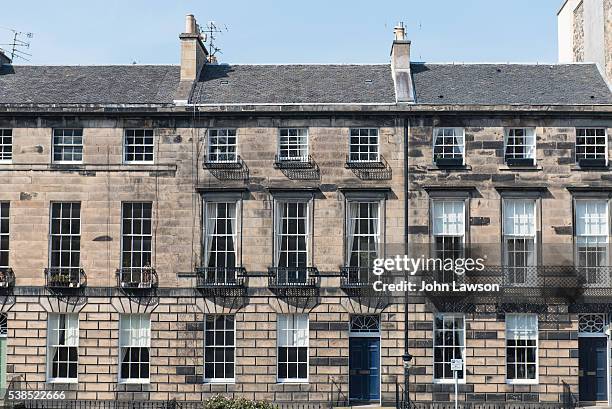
{"x": 286, "y": 31}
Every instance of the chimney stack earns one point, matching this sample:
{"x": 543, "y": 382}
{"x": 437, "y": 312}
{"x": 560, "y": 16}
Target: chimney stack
{"x": 193, "y": 51}
{"x": 4, "y": 60}
{"x": 400, "y": 65}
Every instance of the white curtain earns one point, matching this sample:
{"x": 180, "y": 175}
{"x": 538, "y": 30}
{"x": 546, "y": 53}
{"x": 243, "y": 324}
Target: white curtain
{"x": 374, "y": 208}
{"x": 352, "y": 210}
{"x": 591, "y": 218}
{"x": 233, "y": 215}
{"x": 211, "y": 224}
{"x": 519, "y": 217}
{"x": 279, "y": 210}
{"x": 448, "y": 218}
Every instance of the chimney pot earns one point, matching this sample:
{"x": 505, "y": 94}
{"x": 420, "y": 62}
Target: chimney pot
{"x": 190, "y": 24}
{"x": 400, "y": 32}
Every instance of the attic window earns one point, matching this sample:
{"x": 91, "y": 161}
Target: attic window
{"x": 224, "y": 82}
{"x": 369, "y": 81}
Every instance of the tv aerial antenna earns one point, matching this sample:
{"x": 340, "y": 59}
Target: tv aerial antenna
{"x": 210, "y": 33}
{"x": 19, "y": 43}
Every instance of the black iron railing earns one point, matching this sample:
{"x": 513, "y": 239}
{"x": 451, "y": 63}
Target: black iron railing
{"x": 220, "y": 277}
{"x": 137, "y": 278}
{"x": 357, "y": 277}
{"x": 297, "y": 162}
{"x": 65, "y": 277}
{"x": 214, "y": 162}
{"x": 357, "y": 163}
{"x": 7, "y": 277}
{"x": 293, "y": 277}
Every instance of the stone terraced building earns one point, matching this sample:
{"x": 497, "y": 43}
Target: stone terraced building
{"x": 175, "y": 232}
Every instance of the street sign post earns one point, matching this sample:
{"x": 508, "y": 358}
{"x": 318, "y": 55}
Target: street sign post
{"x": 456, "y": 366}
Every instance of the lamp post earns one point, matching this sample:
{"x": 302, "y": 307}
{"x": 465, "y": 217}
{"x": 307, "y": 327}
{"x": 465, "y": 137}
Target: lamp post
{"x": 406, "y": 358}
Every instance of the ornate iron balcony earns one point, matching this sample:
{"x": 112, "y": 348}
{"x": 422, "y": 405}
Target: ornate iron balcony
{"x": 354, "y": 163}
{"x": 293, "y": 277}
{"x": 298, "y": 162}
{"x": 7, "y": 277}
{"x": 356, "y": 277}
{"x": 65, "y": 277}
{"x": 220, "y": 277}
{"x": 134, "y": 278}
{"x": 235, "y": 163}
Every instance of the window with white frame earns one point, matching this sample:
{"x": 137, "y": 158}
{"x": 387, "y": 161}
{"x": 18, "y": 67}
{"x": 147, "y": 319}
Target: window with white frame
{"x": 65, "y": 245}
{"x": 520, "y": 144}
{"x": 448, "y": 230}
{"x": 522, "y": 348}
{"x": 136, "y": 234}
{"x": 67, "y": 145}
{"x": 292, "y": 239}
{"x": 221, "y": 240}
{"x": 292, "y": 347}
{"x": 449, "y": 144}
{"x": 592, "y": 237}
{"x": 134, "y": 344}
{"x": 62, "y": 347}
{"x": 363, "y": 233}
{"x": 363, "y": 145}
{"x": 519, "y": 230}
{"x": 293, "y": 144}
{"x": 591, "y": 144}
{"x": 449, "y": 343}
{"x": 4, "y": 234}
{"x": 219, "y": 348}
{"x": 6, "y": 145}
{"x": 222, "y": 145}
{"x": 138, "y": 146}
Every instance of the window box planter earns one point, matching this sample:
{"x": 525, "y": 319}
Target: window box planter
{"x": 520, "y": 161}
{"x": 448, "y": 162}
{"x": 592, "y": 163}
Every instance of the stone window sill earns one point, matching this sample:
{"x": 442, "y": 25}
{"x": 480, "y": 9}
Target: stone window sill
{"x": 461, "y": 168}
{"x": 506, "y": 168}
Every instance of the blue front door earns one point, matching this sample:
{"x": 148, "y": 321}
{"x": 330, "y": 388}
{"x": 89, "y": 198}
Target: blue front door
{"x": 364, "y": 369}
{"x": 592, "y": 365}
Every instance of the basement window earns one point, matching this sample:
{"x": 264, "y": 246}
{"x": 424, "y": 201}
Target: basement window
{"x": 591, "y": 147}
{"x": 520, "y": 147}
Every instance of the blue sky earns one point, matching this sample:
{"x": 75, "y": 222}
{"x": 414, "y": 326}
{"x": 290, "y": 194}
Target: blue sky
{"x": 289, "y": 31}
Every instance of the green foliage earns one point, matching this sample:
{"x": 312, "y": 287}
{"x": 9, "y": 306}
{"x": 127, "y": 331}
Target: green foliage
{"x": 221, "y": 402}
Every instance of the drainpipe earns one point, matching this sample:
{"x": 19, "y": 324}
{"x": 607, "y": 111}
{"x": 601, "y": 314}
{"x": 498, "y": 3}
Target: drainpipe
{"x": 406, "y": 358}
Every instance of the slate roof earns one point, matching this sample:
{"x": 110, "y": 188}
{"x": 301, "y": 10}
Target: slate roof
{"x": 301, "y": 84}
{"x": 469, "y": 84}
{"x": 111, "y": 84}
{"x": 493, "y": 84}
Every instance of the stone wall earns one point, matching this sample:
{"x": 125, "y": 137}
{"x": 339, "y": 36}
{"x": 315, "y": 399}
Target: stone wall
{"x": 578, "y": 31}
{"x": 483, "y": 176}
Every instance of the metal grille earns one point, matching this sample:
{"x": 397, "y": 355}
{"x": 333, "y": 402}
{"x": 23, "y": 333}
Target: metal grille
{"x": 591, "y": 323}
{"x": 365, "y": 323}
